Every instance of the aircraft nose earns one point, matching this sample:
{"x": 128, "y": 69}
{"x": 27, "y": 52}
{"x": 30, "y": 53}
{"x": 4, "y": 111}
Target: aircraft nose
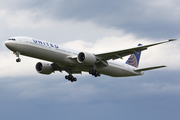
{"x": 6, "y": 43}
{"x": 9, "y": 45}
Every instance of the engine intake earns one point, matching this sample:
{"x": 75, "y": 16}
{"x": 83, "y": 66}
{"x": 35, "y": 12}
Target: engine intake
{"x": 44, "y": 68}
{"x": 86, "y": 58}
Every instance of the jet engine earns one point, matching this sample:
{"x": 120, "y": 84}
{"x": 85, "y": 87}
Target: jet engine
{"x": 44, "y": 68}
{"x": 86, "y": 58}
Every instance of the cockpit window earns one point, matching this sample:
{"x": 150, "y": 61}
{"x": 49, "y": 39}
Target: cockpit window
{"x": 12, "y": 39}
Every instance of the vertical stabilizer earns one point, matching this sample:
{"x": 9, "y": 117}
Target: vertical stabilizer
{"x": 133, "y": 60}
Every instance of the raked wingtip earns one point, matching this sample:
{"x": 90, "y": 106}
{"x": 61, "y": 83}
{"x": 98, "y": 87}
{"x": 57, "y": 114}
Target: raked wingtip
{"x": 172, "y": 39}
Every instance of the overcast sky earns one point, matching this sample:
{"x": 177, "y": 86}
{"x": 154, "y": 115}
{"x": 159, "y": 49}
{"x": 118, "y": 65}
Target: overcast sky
{"x": 94, "y": 26}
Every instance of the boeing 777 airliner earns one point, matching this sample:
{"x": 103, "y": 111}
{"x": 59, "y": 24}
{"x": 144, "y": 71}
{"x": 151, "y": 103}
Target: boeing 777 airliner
{"x": 74, "y": 62}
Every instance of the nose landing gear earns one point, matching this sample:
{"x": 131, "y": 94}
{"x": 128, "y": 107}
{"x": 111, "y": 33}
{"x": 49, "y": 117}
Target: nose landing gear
{"x": 17, "y": 55}
{"x": 18, "y": 60}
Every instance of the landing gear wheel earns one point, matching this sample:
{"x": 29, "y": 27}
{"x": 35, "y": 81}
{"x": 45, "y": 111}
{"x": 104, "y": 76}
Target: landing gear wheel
{"x": 94, "y": 73}
{"x": 66, "y": 77}
{"x": 71, "y": 78}
{"x": 99, "y": 74}
{"x": 75, "y": 79}
{"x": 18, "y": 60}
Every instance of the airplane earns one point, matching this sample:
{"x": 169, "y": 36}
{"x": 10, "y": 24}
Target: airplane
{"x": 76, "y": 62}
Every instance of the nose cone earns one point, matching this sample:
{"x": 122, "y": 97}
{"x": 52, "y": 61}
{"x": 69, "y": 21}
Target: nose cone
{"x": 9, "y": 45}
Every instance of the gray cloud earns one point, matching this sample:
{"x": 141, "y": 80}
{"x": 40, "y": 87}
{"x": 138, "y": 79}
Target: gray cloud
{"x": 141, "y": 18}
{"x": 144, "y": 19}
{"x": 46, "y": 97}
{"x": 150, "y": 19}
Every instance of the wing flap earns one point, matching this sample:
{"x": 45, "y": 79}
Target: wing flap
{"x": 149, "y": 68}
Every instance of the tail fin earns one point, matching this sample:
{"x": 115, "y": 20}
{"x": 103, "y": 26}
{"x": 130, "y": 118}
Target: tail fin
{"x": 133, "y": 60}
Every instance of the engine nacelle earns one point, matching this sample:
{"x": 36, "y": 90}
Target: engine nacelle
{"x": 44, "y": 68}
{"x": 86, "y": 58}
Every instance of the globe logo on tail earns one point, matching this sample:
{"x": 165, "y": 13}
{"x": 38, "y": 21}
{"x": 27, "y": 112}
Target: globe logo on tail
{"x": 132, "y": 61}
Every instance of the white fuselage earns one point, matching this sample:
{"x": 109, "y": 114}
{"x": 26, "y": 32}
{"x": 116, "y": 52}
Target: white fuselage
{"x": 60, "y": 55}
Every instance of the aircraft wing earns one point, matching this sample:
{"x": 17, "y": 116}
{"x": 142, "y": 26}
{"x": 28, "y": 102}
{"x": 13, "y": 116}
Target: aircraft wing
{"x": 121, "y": 53}
{"x": 59, "y": 68}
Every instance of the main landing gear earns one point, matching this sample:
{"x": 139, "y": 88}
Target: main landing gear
{"x": 70, "y": 78}
{"x": 94, "y": 73}
{"x": 17, "y": 55}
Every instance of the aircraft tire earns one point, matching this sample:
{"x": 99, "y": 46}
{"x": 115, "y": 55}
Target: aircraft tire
{"x": 18, "y": 60}
{"x": 66, "y": 77}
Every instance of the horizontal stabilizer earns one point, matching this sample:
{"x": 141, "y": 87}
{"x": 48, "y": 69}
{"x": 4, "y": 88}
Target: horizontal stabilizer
{"x": 149, "y": 68}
